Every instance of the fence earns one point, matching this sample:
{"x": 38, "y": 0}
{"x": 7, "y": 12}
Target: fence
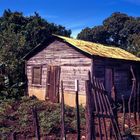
{"x": 103, "y": 121}
{"x": 100, "y": 116}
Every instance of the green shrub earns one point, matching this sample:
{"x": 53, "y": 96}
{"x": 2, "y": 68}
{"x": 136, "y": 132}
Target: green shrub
{"x": 19, "y": 114}
{"x": 5, "y": 132}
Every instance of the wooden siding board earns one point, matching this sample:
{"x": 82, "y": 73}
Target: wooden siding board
{"x": 74, "y": 65}
{"x": 121, "y": 70}
{"x": 68, "y": 74}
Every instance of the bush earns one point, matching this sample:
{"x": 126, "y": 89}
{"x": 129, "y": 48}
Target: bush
{"x": 18, "y": 114}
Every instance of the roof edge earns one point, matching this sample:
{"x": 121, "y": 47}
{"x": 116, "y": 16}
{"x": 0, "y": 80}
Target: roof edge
{"x": 38, "y": 47}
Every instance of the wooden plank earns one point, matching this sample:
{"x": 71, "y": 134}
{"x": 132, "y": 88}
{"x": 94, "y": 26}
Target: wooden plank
{"x": 77, "y": 109}
{"x": 98, "y": 109}
{"x": 90, "y": 126}
{"x": 36, "y": 123}
{"x": 48, "y": 82}
{"x": 114, "y": 125}
{"x": 132, "y": 93}
{"x": 102, "y": 110}
{"x": 123, "y": 122}
{"x": 57, "y": 82}
{"x": 138, "y": 103}
{"x": 14, "y": 136}
{"x": 108, "y": 79}
{"x": 63, "y": 133}
{"x": 53, "y": 83}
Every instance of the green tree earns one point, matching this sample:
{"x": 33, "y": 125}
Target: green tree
{"x": 18, "y": 35}
{"x": 118, "y": 30}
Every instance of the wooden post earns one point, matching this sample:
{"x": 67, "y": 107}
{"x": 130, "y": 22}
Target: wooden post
{"x": 90, "y": 127}
{"x": 123, "y": 123}
{"x": 114, "y": 97}
{"x": 97, "y": 108}
{"x": 26, "y": 79}
{"x": 77, "y": 109}
{"x": 113, "y": 91}
{"x": 113, "y": 94}
{"x": 132, "y": 94}
{"x": 36, "y": 123}
{"x": 14, "y": 136}
{"x": 89, "y": 115}
{"x": 63, "y": 134}
{"x": 138, "y": 103}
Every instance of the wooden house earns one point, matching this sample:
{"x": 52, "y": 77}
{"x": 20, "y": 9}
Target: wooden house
{"x": 67, "y": 59}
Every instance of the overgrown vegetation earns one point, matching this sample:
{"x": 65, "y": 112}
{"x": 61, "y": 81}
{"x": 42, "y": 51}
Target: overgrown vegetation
{"x": 16, "y": 116}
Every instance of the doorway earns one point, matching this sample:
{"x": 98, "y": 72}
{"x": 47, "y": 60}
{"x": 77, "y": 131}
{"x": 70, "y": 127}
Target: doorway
{"x": 52, "y": 84}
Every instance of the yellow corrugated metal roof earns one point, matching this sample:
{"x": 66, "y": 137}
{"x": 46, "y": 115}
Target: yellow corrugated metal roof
{"x": 99, "y": 49}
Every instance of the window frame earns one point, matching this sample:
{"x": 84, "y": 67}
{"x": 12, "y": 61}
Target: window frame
{"x": 40, "y": 78}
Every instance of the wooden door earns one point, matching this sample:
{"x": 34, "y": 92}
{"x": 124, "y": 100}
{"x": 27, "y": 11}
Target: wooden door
{"x": 109, "y": 79}
{"x": 53, "y": 80}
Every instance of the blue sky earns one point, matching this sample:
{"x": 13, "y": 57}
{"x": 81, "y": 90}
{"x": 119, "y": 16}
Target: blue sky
{"x": 73, "y": 14}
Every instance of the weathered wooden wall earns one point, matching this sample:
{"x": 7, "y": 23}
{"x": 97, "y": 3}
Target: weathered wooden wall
{"x": 121, "y": 74}
{"x": 74, "y": 65}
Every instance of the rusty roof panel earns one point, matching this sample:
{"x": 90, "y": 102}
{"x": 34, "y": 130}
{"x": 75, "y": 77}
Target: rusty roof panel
{"x": 99, "y": 49}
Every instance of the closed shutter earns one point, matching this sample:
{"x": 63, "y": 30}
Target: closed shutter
{"x": 36, "y": 75}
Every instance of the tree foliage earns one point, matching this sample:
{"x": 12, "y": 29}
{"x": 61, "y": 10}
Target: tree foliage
{"x": 18, "y": 35}
{"x": 118, "y": 30}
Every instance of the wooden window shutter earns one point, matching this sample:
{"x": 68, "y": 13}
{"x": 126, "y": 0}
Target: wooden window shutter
{"x": 36, "y": 75}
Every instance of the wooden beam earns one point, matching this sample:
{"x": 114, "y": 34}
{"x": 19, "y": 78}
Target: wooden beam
{"x": 77, "y": 108}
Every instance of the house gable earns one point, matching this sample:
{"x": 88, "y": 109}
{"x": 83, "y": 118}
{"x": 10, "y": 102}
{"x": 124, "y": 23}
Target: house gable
{"x": 74, "y": 65}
